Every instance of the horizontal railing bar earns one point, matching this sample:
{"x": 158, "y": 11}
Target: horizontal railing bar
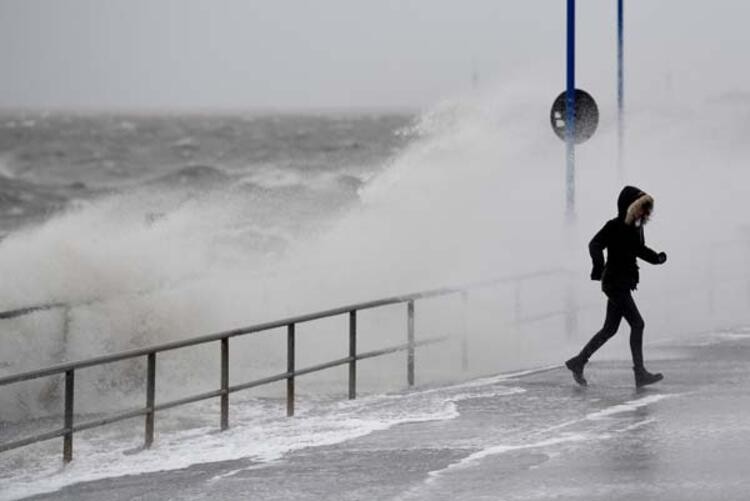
{"x": 552, "y": 314}
{"x": 188, "y": 400}
{"x": 212, "y": 394}
{"x": 116, "y": 357}
{"x": 79, "y": 427}
{"x": 320, "y": 367}
{"x": 216, "y": 393}
{"x": 32, "y": 440}
{"x": 418, "y": 295}
{"x": 328, "y": 365}
{"x": 110, "y": 419}
{"x": 259, "y": 382}
{"x": 5, "y": 315}
{"x": 538, "y": 318}
{"x": 401, "y": 347}
{"x": 485, "y": 283}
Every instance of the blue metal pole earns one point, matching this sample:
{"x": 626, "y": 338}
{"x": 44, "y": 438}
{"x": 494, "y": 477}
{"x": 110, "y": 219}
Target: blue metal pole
{"x": 570, "y": 102}
{"x": 620, "y": 93}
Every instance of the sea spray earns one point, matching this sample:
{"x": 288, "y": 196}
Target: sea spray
{"x": 477, "y": 193}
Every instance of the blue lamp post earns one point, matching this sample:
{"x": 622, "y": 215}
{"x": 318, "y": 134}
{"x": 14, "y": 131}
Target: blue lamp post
{"x": 574, "y": 115}
{"x": 570, "y": 126}
{"x": 620, "y": 93}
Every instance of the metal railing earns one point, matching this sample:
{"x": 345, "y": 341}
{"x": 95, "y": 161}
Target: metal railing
{"x": 569, "y": 312}
{"x": 20, "y": 312}
{"x": 151, "y": 407}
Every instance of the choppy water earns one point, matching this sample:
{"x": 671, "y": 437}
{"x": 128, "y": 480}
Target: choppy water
{"x": 307, "y": 164}
{"x": 164, "y": 228}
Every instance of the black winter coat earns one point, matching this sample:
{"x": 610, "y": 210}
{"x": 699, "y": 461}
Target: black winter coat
{"x": 624, "y": 240}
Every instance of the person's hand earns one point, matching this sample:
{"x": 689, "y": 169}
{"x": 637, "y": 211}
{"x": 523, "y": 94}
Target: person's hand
{"x": 662, "y": 257}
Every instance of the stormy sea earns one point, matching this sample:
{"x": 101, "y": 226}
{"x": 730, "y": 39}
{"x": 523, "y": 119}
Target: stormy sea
{"x": 293, "y": 171}
{"x": 135, "y": 230}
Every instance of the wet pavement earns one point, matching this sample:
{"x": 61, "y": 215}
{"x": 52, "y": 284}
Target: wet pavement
{"x": 687, "y": 438}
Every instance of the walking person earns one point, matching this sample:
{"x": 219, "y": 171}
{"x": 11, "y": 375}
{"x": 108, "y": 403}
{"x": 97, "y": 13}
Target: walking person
{"x": 623, "y": 239}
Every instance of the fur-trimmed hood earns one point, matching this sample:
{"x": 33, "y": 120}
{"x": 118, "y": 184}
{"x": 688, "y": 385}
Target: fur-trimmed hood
{"x": 630, "y": 202}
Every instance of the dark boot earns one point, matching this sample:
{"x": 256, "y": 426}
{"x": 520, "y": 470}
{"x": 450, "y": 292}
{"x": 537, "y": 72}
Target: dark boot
{"x": 575, "y": 365}
{"x": 644, "y": 377}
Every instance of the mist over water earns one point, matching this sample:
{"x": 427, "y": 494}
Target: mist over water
{"x": 160, "y": 226}
{"x": 470, "y": 190}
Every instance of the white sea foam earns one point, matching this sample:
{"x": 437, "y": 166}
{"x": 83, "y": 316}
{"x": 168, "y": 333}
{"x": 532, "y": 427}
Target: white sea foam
{"x": 562, "y": 438}
{"x": 477, "y": 195}
{"x": 611, "y": 411}
{"x": 470, "y": 460}
{"x": 635, "y": 426}
{"x": 628, "y": 406}
{"x": 257, "y": 433}
{"x": 489, "y": 381}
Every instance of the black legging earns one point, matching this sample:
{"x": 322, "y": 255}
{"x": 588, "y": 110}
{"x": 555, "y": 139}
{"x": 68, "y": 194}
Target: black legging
{"x": 620, "y": 304}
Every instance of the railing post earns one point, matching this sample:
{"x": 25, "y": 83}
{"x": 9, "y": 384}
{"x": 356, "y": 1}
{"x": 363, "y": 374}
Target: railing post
{"x": 465, "y": 331}
{"x": 68, "y": 426}
{"x": 410, "y": 352}
{"x": 66, "y": 325}
{"x": 290, "y": 363}
{"x": 353, "y": 354}
{"x": 224, "y": 383}
{"x": 571, "y": 310}
{"x": 150, "y": 398}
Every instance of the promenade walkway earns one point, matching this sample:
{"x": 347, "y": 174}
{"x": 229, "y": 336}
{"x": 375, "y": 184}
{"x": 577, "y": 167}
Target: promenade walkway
{"x": 528, "y": 437}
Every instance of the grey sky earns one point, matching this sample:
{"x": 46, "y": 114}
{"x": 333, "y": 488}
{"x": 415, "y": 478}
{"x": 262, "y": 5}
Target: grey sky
{"x": 346, "y": 53}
